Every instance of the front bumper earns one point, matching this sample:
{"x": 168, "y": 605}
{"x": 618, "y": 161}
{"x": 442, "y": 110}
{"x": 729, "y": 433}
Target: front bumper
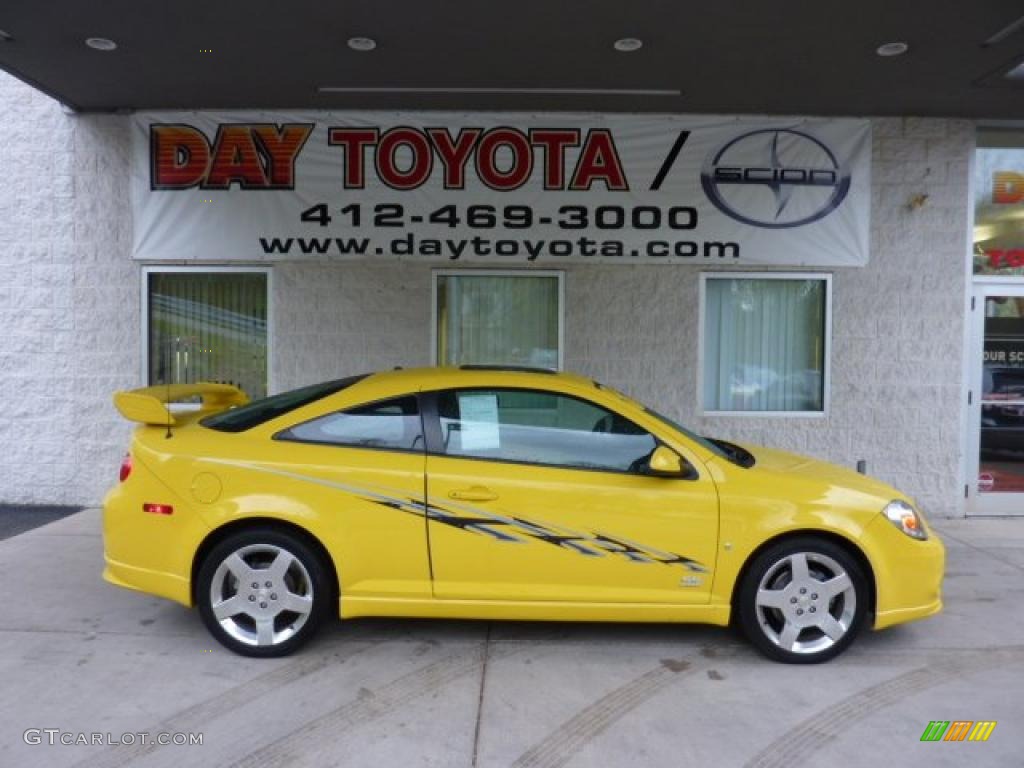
{"x": 908, "y": 574}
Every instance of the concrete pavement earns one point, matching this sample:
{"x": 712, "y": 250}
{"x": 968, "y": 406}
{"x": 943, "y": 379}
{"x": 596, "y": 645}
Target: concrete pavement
{"x": 80, "y": 656}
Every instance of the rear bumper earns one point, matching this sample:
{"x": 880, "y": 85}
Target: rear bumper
{"x": 147, "y": 552}
{"x": 151, "y": 582}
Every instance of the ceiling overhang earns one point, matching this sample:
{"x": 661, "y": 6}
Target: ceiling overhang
{"x": 802, "y": 57}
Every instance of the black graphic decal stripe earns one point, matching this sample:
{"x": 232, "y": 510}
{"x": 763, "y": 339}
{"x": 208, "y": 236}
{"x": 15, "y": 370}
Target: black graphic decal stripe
{"x": 519, "y": 530}
{"x": 483, "y": 522}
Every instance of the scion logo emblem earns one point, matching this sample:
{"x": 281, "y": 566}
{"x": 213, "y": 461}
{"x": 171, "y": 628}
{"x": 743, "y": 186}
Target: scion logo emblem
{"x": 775, "y": 178}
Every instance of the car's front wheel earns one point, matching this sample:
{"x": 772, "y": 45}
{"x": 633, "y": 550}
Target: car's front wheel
{"x": 803, "y": 600}
{"x": 263, "y": 592}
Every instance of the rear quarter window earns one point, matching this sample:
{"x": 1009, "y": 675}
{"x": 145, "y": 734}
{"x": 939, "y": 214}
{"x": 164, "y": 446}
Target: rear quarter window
{"x": 389, "y": 425}
{"x": 261, "y": 411}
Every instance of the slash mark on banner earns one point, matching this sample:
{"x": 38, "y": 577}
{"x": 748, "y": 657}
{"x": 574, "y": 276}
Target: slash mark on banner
{"x": 670, "y": 160}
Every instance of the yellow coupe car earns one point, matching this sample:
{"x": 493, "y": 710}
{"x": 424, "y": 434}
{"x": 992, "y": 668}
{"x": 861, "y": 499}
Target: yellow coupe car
{"x": 490, "y": 492}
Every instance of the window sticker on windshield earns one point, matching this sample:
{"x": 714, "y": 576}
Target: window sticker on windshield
{"x": 478, "y": 414}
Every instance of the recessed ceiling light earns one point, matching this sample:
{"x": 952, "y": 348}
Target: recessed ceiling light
{"x": 892, "y": 49}
{"x": 362, "y": 43}
{"x": 100, "y": 43}
{"x": 4, "y": 37}
{"x": 629, "y": 44}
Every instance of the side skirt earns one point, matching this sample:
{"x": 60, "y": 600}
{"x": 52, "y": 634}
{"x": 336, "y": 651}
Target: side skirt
{"x": 353, "y": 607}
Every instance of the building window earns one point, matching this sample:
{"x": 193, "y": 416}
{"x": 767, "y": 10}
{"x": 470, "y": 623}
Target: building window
{"x": 765, "y": 342}
{"x": 498, "y": 318}
{"x": 999, "y": 202}
{"x": 207, "y": 325}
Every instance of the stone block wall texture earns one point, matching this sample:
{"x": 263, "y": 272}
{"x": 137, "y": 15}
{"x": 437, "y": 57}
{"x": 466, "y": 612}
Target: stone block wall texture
{"x": 70, "y": 303}
{"x": 68, "y": 299}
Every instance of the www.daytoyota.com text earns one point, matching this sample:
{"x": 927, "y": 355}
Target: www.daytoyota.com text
{"x": 510, "y": 242}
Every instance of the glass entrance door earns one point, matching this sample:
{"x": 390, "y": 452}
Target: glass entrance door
{"x": 996, "y": 479}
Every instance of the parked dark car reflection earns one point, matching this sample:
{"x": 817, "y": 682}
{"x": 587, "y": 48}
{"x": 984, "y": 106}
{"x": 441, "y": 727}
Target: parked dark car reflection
{"x": 1002, "y": 410}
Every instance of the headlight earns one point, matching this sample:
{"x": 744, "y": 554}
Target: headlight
{"x": 904, "y": 517}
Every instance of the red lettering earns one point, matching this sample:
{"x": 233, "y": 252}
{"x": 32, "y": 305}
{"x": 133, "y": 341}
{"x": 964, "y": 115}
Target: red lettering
{"x": 387, "y": 158}
{"x": 553, "y": 142}
{"x": 599, "y": 162}
{"x": 235, "y": 159}
{"x": 487, "y": 159}
{"x": 353, "y": 141}
{"x": 454, "y": 155}
{"x": 282, "y": 146}
{"x": 1012, "y": 257}
{"x": 180, "y": 155}
{"x": 503, "y": 157}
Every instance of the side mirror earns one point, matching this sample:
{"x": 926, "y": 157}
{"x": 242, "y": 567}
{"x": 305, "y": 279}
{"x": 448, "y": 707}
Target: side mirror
{"x": 665, "y": 462}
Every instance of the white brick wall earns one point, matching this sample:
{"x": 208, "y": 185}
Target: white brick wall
{"x": 105, "y": 302}
{"x": 337, "y": 320}
{"x": 69, "y": 301}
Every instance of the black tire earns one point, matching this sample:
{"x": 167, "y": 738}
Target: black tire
{"x": 791, "y": 602}
{"x": 272, "y": 611}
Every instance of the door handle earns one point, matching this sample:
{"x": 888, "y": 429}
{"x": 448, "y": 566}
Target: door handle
{"x": 476, "y": 493}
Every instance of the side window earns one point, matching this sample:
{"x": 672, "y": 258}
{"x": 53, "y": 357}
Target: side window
{"x": 391, "y": 424}
{"x": 540, "y": 428}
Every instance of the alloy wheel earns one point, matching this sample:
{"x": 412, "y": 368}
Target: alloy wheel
{"x": 806, "y": 602}
{"x": 261, "y": 595}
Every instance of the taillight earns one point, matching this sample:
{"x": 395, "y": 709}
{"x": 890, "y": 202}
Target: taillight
{"x": 126, "y": 467}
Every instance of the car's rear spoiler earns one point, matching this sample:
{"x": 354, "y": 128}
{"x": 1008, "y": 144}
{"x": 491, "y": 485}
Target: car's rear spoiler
{"x": 149, "y": 404}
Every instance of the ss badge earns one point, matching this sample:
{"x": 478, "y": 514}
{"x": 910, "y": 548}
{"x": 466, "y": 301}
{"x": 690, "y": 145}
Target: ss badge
{"x": 691, "y": 581}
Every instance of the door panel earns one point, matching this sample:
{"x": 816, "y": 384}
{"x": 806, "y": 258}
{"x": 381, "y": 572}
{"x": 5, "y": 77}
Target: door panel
{"x": 508, "y": 520}
{"x": 360, "y": 472}
{"x": 572, "y": 535}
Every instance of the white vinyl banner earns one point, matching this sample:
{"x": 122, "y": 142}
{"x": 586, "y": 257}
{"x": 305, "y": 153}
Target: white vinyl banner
{"x": 501, "y": 187}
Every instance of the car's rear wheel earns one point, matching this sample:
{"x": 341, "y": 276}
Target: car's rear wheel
{"x": 803, "y": 600}
{"x": 263, "y": 592}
